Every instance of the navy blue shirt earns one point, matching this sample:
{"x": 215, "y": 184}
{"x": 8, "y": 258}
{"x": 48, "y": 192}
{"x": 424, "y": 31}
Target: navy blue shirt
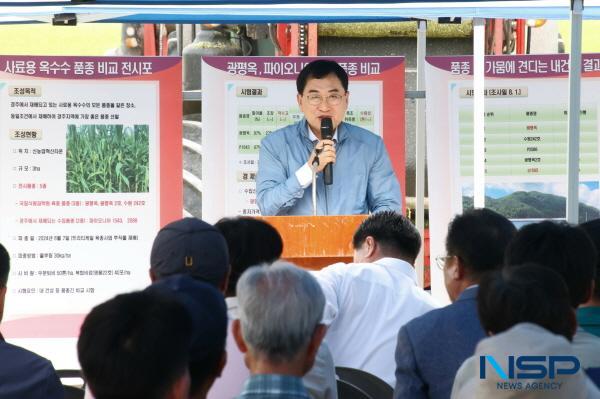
{"x": 25, "y": 375}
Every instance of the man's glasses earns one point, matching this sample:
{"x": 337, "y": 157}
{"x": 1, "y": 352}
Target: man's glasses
{"x": 440, "y": 261}
{"x": 332, "y": 99}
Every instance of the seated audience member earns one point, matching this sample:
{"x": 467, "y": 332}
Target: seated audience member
{"x": 432, "y": 347}
{"x": 250, "y": 242}
{"x": 207, "y": 309}
{"x": 568, "y": 251}
{"x": 23, "y": 374}
{"x": 136, "y": 346}
{"x": 192, "y": 247}
{"x": 588, "y": 314}
{"x": 279, "y": 330}
{"x": 527, "y": 311}
{"x": 253, "y": 242}
{"x": 369, "y": 300}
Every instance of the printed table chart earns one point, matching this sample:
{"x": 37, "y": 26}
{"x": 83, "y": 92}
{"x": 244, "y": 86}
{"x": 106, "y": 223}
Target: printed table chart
{"x": 528, "y": 140}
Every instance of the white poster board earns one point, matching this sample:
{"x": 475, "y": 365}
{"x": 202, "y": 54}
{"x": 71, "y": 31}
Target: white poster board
{"x": 526, "y": 101}
{"x": 82, "y": 192}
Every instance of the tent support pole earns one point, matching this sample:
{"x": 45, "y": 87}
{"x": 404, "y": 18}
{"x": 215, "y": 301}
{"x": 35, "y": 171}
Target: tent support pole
{"x": 478, "y": 110}
{"x": 420, "y": 149}
{"x": 574, "y": 111}
{"x": 179, "y": 29}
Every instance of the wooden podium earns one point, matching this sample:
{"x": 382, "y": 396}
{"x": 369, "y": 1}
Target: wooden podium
{"x": 314, "y": 242}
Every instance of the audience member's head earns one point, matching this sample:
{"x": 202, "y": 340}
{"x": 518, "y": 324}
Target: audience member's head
{"x": 190, "y": 246}
{"x": 561, "y": 247}
{"x": 386, "y": 234}
{"x": 593, "y": 229}
{"x": 251, "y": 242}
{"x": 4, "y": 266}
{"x": 280, "y": 308}
{"x": 207, "y": 309}
{"x": 4, "y": 270}
{"x": 475, "y": 245}
{"x": 136, "y": 346}
{"x": 526, "y": 294}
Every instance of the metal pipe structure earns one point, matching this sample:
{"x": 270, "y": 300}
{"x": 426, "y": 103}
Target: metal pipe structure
{"x": 478, "y": 110}
{"x": 420, "y": 149}
{"x": 574, "y": 111}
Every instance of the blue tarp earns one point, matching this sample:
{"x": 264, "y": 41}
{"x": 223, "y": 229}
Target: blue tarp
{"x": 263, "y": 11}
{"x": 241, "y": 2}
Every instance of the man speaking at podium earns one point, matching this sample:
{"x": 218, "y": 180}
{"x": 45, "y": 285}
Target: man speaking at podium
{"x": 349, "y": 164}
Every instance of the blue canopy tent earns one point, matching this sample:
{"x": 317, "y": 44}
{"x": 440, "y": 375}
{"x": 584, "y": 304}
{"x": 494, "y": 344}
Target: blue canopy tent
{"x": 264, "y": 11}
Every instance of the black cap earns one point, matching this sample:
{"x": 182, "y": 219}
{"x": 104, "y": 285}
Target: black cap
{"x": 190, "y": 246}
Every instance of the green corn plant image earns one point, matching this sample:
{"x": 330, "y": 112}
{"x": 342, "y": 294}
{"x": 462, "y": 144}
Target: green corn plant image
{"x": 107, "y": 159}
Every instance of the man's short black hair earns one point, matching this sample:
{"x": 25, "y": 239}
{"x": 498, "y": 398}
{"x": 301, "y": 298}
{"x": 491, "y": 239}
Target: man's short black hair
{"x": 135, "y": 345}
{"x": 393, "y": 232}
{"x": 319, "y": 69}
{"x": 592, "y": 228}
{"x": 4, "y": 266}
{"x": 561, "y": 247}
{"x": 525, "y": 293}
{"x": 251, "y": 242}
{"x": 479, "y": 238}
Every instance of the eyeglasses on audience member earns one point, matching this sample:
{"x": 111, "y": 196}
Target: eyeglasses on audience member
{"x": 440, "y": 261}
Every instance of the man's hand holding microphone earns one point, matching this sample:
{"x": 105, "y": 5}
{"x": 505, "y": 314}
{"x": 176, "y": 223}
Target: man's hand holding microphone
{"x": 323, "y": 155}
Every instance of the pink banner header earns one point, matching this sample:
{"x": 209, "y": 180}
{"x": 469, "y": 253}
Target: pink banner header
{"x": 290, "y": 67}
{"x": 85, "y": 67}
{"x": 511, "y": 66}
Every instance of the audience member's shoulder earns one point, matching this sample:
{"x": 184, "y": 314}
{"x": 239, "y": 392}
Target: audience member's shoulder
{"x": 342, "y": 273}
{"x": 21, "y": 357}
{"x": 420, "y": 325}
{"x": 526, "y": 337}
{"x": 28, "y": 374}
{"x": 436, "y": 322}
{"x": 586, "y": 347}
{"x": 429, "y": 302}
{"x": 355, "y": 270}
{"x": 463, "y": 381}
{"x": 583, "y": 337}
{"x": 341, "y": 267}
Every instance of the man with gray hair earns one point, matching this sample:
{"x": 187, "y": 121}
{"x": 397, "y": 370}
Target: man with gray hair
{"x": 279, "y": 329}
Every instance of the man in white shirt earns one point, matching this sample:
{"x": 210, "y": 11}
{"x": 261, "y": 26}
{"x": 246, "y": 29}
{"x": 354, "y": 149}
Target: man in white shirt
{"x": 369, "y": 300}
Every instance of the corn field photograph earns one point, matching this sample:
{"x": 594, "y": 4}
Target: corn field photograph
{"x": 107, "y": 159}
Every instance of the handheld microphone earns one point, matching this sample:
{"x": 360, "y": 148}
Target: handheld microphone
{"x": 327, "y": 134}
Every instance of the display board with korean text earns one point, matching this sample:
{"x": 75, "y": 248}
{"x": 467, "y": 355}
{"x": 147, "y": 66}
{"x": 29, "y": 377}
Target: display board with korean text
{"x": 90, "y": 168}
{"x": 525, "y": 130}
